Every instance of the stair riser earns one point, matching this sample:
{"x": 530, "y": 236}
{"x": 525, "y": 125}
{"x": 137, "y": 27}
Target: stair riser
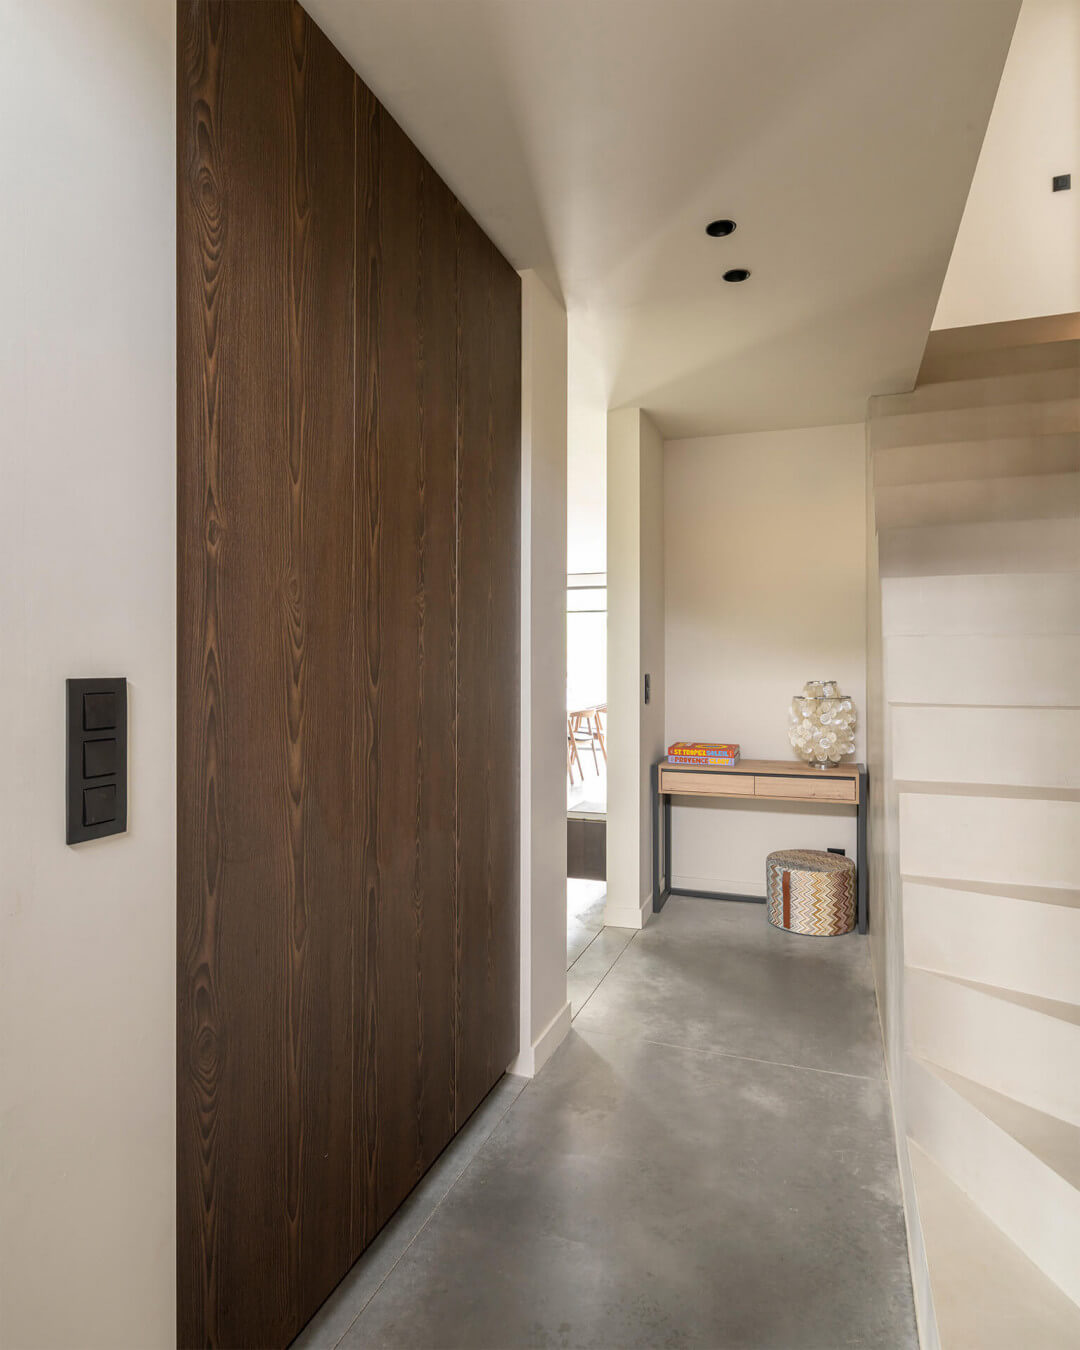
{"x": 978, "y": 669}
{"x": 994, "y": 547}
{"x": 1011, "y": 1048}
{"x": 1020, "y": 604}
{"x": 1004, "y": 747}
{"x": 1037, "y": 497}
{"x": 1031, "y": 1204}
{"x": 1000, "y": 840}
{"x": 956, "y": 461}
{"x": 967, "y": 424}
{"x": 982, "y": 391}
{"x": 1018, "y": 944}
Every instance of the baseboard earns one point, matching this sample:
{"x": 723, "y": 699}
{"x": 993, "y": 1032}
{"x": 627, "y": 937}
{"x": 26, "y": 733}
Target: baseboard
{"x": 532, "y": 1059}
{"x": 618, "y": 916}
{"x": 682, "y": 881}
{"x": 925, "y": 1314}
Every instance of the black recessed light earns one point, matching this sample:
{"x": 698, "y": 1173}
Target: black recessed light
{"x": 737, "y": 274}
{"x": 716, "y": 229}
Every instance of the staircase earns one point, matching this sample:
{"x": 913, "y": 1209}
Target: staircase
{"x": 976, "y": 502}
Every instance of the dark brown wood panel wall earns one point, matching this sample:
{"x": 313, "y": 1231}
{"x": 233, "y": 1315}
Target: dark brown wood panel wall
{"x": 348, "y": 488}
{"x": 488, "y": 641}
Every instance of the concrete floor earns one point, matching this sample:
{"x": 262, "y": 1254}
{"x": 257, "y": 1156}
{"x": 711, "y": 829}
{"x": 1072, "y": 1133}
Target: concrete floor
{"x": 707, "y": 1161}
{"x": 584, "y": 914}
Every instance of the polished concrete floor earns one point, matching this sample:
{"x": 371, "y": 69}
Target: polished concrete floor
{"x": 706, "y": 1162}
{"x": 584, "y": 915}
{"x": 589, "y": 793}
{"x": 591, "y": 948}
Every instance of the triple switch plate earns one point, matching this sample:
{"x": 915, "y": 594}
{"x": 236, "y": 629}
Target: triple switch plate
{"x": 96, "y": 758}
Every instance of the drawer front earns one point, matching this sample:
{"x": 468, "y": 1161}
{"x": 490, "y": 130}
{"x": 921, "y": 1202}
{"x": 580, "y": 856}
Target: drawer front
{"x": 707, "y": 784}
{"x": 807, "y": 789}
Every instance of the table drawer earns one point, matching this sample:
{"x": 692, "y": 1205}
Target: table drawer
{"x": 707, "y": 784}
{"x": 807, "y": 789}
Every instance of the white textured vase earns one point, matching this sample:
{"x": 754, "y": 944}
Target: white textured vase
{"x": 821, "y": 724}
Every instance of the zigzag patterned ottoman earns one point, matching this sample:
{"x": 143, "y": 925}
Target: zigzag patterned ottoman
{"x": 811, "y": 892}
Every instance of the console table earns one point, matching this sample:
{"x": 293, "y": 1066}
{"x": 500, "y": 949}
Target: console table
{"x": 772, "y": 780}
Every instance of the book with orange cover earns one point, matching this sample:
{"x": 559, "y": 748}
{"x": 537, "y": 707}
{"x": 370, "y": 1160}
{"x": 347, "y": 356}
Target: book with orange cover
{"x": 703, "y": 761}
{"x": 704, "y": 754}
{"x": 721, "y": 748}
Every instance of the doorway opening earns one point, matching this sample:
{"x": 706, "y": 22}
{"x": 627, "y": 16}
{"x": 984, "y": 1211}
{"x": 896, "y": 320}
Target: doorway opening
{"x": 586, "y": 766}
{"x": 586, "y": 694}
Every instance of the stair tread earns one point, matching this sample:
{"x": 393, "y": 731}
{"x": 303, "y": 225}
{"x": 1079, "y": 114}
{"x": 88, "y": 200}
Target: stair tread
{"x": 947, "y": 747}
{"x": 999, "y": 457}
{"x": 982, "y": 391}
{"x": 974, "y": 547}
{"x": 943, "y": 367}
{"x": 958, "y": 603}
{"x": 988, "y": 421}
{"x": 1048, "y": 1007}
{"x": 1040, "y": 895}
{"x": 957, "y": 501}
{"x": 987, "y": 1294}
{"x": 1053, "y": 1141}
{"x": 984, "y": 670}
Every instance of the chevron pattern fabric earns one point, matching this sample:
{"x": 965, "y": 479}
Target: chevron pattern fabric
{"x": 810, "y": 892}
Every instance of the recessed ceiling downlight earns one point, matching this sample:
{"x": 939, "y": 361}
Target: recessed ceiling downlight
{"x": 737, "y": 274}
{"x": 716, "y": 229}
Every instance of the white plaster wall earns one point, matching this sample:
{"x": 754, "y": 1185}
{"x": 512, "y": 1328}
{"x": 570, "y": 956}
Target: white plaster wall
{"x": 1017, "y": 252}
{"x": 87, "y": 586}
{"x": 586, "y": 516}
{"x": 635, "y": 562}
{"x": 545, "y": 1013}
{"x": 765, "y": 584}
{"x": 652, "y": 637}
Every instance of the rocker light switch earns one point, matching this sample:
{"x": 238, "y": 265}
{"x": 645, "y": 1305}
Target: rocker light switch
{"x": 96, "y": 758}
{"x": 99, "y": 758}
{"x": 99, "y": 711}
{"x": 99, "y": 805}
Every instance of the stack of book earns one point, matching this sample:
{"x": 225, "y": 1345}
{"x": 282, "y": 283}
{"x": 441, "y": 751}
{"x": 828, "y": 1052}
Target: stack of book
{"x": 703, "y": 754}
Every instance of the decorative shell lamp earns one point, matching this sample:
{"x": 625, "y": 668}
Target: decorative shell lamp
{"x": 821, "y": 724}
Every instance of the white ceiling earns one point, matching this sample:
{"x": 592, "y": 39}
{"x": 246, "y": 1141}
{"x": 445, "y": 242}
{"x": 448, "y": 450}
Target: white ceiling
{"x": 594, "y": 139}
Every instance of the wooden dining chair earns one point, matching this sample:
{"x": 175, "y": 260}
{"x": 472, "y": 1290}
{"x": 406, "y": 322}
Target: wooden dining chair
{"x": 599, "y": 712}
{"x": 572, "y": 756}
{"x": 584, "y": 735}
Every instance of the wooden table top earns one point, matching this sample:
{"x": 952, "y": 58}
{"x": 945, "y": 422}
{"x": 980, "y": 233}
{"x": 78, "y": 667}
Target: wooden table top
{"x": 785, "y": 767}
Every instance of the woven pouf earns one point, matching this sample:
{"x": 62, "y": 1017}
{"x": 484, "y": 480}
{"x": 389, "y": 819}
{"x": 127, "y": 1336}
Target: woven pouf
{"x": 811, "y": 892}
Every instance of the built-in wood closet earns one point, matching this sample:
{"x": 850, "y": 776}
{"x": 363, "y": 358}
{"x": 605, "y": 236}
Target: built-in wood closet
{"x": 348, "y": 392}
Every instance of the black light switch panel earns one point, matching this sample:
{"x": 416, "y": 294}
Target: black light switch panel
{"x": 96, "y": 758}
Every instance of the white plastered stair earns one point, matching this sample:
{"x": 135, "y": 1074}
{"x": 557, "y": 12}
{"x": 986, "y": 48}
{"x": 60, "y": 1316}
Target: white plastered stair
{"x": 987, "y": 1294}
{"x": 976, "y": 482}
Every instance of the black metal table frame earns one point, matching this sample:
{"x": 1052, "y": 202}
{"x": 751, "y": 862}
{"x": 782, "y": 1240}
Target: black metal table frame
{"x": 661, "y": 842}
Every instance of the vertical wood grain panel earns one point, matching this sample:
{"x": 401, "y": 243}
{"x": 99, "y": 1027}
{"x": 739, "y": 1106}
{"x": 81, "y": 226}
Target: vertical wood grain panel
{"x": 202, "y": 278}
{"x": 489, "y": 462}
{"x": 413, "y": 450}
{"x": 436, "y": 876}
{"x": 367, "y": 735}
{"x": 317, "y": 654}
{"x": 348, "y": 458}
{"x": 504, "y": 674}
{"x": 265, "y": 1088}
{"x": 231, "y": 500}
